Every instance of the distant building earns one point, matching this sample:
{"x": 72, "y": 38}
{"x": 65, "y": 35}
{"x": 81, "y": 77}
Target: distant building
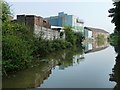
{"x": 87, "y": 33}
{"x": 38, "y": 25}
{"x": 96, "y": 32}
{"x": 34, "y": 22}
{"x": 59, "y": 29}
{"x": 67, "y": 20}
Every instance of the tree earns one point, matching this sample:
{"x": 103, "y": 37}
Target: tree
{"x": 17, "y": 47}
{"x": 5, "y": 11}
{"x": 115, "y": 14}
{"x": 69, "y": 35}
{"x": 75, "y": 38}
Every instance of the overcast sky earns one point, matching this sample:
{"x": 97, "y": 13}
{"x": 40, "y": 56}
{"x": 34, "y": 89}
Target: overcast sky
{"x": 93, "y": 12}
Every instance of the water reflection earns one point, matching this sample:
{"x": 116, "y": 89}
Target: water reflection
{"x": 95, "y": 46}
{"x": 40, "y": 70}
{"x": 115, "y": 76}
{"x": 29, "y": 78}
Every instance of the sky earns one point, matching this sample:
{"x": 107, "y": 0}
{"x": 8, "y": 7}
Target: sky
{"x": 94, "y": 13}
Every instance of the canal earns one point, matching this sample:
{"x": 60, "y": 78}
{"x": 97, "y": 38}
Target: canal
{"x": 87, "y": 67}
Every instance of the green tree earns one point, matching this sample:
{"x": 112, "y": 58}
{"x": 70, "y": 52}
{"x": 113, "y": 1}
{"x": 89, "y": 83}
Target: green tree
{"x": 79, "y": 38}
{"x": 115, "y": 14}
{"x": 5, "y": 11}
{"x": 69, "y": 35}
{"x": 73, "y": 37}
{"x": 17, "y": 43}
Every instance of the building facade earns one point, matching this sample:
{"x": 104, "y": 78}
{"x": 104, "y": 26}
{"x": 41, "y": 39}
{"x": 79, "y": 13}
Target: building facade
{"x": 87, "y": 33}
{"x": 63, "y": 20}
{"x": 39, "y": 26}
{"x": 97, "y": 31}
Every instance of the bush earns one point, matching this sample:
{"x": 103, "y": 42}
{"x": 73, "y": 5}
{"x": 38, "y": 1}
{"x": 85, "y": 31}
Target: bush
{"x": 16, "y": 53}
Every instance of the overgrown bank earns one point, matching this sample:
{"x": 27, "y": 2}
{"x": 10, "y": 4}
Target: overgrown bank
{"x": 115, "y": 14}
{"x": 115, "y": 41}
{"x": 20, "y": 46}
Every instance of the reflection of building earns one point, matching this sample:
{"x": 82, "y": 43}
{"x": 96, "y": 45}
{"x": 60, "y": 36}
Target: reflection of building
{"x": 93, "y": 47}
{"x": 87, "y": 46}
{"x": 67, "y": 20}
{"x": 78, "y": 58}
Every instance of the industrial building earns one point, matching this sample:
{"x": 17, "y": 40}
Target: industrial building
{"x": 39, "y": 26}
{"x": 64, "y": 19}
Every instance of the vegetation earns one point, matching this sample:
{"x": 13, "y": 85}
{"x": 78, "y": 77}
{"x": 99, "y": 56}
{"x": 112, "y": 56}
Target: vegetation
{"x": 20, "y": 46}
{"x": 16, "y": 43}
{"x": 72, "y": 37}
{"x": 115, "y": 41}
{"x": 100, "y": 39}
{"x": 115, "y": 14}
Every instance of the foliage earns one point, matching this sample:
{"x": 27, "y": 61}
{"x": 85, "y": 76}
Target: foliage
{"x": 16, "y": 53}
{"x": 79, "y": 37}
{"x": 100, "y": 37}
{"x": 16, "y": 43}
{"x": 16, "y": 47}
{"x": 20, "y": 46}
{"x": 113, "y": 39}
{"x": 69, "y": 35}
{"x": 115, "y": 14}
{"x": 5, "y": 11}
{"x": 73, "y": 37}
{"x": 43, "y": 47}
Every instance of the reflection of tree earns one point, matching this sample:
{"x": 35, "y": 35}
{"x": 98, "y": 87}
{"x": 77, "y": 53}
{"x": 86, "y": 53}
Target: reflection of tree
{"x": 68, "y": 61}
{"x": 65, "y": 58}
{"x": 100, "y": 43}
{"x": 100, "y": 40}
{"x": 115, "y": 76}
{"x": 29, "y": 78}
{"x": 40, "y": 70}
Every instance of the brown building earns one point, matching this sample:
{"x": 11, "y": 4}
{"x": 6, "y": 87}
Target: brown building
{"x": 96, "y": 32}
{"x": 38, "y": 25}
{"x": 33, "y": 21}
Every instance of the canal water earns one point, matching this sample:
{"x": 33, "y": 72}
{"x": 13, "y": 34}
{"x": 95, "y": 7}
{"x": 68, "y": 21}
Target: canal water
{"x": 83, "y": 67}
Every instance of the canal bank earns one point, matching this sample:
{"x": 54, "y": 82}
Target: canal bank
{"x": 67, "y": 69}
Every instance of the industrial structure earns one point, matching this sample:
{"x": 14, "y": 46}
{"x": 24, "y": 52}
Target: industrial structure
{"x": 63, "y": 20}
{"x": 50, "y": 28}
{"x": 39, "y": 26}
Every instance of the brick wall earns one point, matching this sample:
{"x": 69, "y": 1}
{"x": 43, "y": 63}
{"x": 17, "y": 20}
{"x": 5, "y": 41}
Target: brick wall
{"x": 37, "y": 25}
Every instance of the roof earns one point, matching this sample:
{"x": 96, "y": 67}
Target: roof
{"x": 87, "y": 28}
{"x": 55, "y": 27}
{"x": 97, "y": 30}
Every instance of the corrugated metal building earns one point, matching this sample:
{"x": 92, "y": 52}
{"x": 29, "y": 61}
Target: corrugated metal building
{"x": 63, "y": 20}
